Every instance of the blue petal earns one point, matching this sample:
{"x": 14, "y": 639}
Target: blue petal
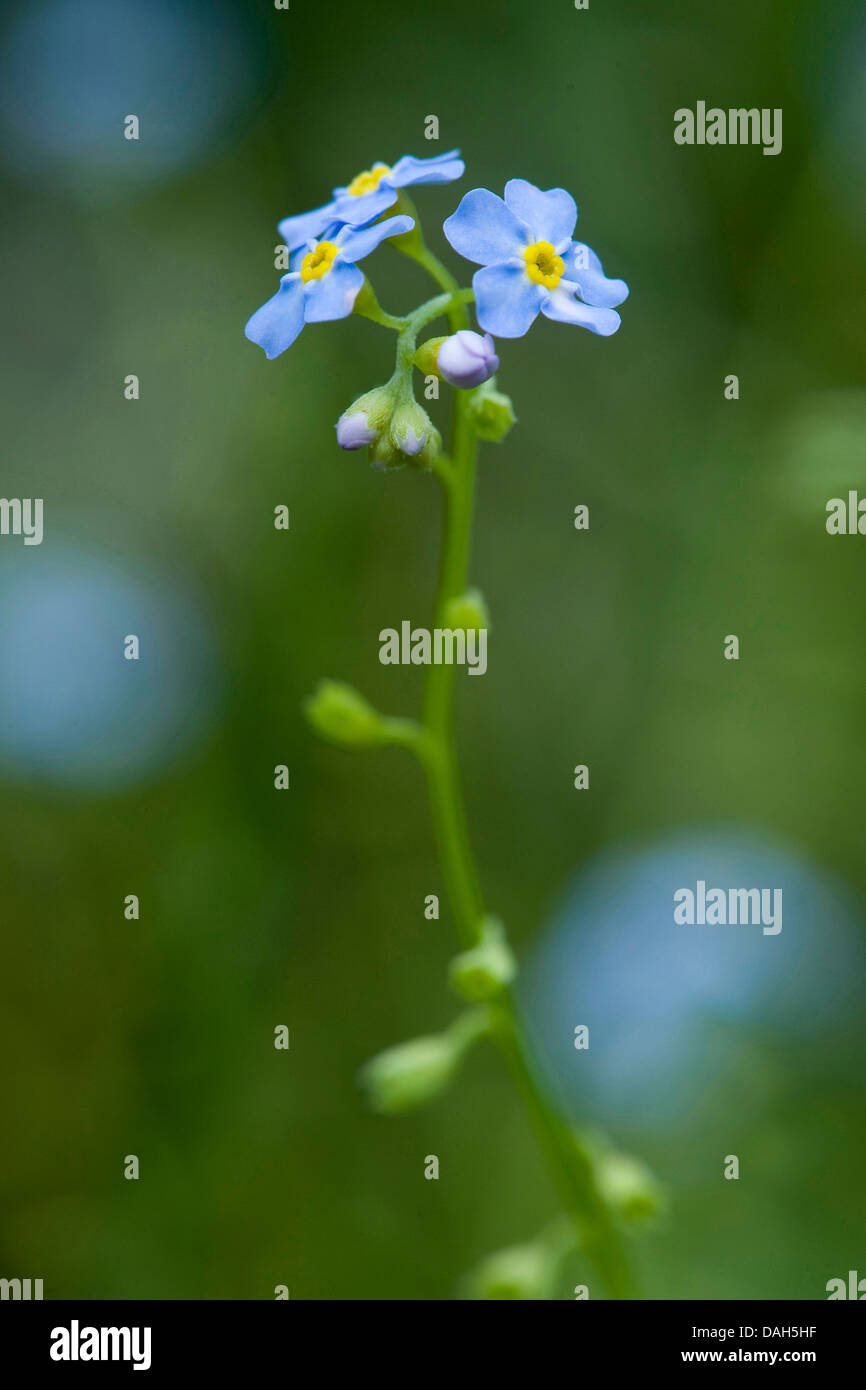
{"x": 307, "y": 227}
{"x": 549, "y": 216}
{"x": 484, "y": 230}
{"x": 583, "y": 268}
{"x": 356, "y": 243}
{"x": 561, "y": 305}
{"x": 333, "y": 296}
{"x": 277, "y": 324}
{"x": 357, "y": 210}
{"x": 442, "y": 168}
{"x": 506, "y": 300}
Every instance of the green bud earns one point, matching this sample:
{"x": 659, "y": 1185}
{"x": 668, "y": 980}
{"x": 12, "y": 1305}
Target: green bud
{"x": 480, "y": 974}
{"x": 518, "y": 1272}
{"x": 491, "y": 412}
{"x": 341, "y": 715}
{"x": 412, "y": 1073}
{"x": 414, "y": 436}
{"x": 467, "y": 612}
{"x": 629, "y": 1187}
{"x": 366, "y": 419}
{"x": 409, "y": 1075}
{"x": 426, "y": 357}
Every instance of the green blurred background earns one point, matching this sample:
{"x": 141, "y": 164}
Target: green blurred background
{"x": 155, "y": 1037}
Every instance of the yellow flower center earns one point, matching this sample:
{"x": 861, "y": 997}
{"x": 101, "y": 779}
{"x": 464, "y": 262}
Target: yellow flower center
{"x": 543, "y": 266}
{"x": 368, "y": 181}
{"x": 318, "y": 262}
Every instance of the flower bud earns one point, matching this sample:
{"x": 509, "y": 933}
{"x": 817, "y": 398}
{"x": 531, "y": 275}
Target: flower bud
{"x": 412, "y": 1073}
{"x": 425, "y": 357}
{"x": 341, "y": 715}
{"x": 481, "y": 973}
{"x": 518, "y": 1272}
{"x": 629, "y": 1187}
{"x": 366, "y": 418}
{"x": 353, "y": 431}
{"x": 414, "y": 435}
{"x": 466, "y": 359}
{"x": 492, "y": 414}
{"x": 468, "y": 612}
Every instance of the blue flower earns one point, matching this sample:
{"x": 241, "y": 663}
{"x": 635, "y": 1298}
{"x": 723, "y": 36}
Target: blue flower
{"x": 530, "y": 262}
{"x": 369, "y": 195}
{"x": 322, "y": 283}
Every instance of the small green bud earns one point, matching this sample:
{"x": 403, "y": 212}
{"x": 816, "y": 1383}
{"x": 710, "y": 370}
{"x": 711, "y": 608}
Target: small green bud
{"x": 341, "y": 715}
{"x": 629, "y": 1187}
{"x": 491, "y": 412}
{"x": 414, "y": 435}
{"x": 468, "y": 612}
{"x": 518, "y": 1272}
{"x": 412, "y": 1073}
{"x": 426, "y": 357}
{"x": 366, "y": 419}
{"x": 480, "y": 974}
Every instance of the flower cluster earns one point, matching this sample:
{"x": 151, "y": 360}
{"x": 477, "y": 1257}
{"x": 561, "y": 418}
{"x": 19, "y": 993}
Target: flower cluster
{"x": 530, "y": 265}
{"x": 325, "y": 246}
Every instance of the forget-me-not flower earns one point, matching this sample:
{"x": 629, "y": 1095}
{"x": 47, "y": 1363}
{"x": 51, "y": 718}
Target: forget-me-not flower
{"x": 530, "y": 263}
{"x": 322, "y": 283}
{"x": 370, "y": 194}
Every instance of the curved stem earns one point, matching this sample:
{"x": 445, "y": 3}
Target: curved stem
{"x": 410, "y": 327}
{"x": 412, "y": 244}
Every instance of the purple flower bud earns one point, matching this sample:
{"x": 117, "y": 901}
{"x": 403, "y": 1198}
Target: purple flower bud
{"x": 466, "y": 359}
{"x": 353, "y": 432}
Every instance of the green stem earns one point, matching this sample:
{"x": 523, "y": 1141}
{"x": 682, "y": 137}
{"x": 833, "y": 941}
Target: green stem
{"x": 434, "y": 744}
{"x": 449, "y": 817}
{"x": 409, "y": 328}
{"x": 571, "y": 1166}
{"x": 412, "y": 244}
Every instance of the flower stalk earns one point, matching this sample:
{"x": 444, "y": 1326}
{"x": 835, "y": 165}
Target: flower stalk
{"x": 571, "y": 1167}
{"x": 530, "y": 265}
